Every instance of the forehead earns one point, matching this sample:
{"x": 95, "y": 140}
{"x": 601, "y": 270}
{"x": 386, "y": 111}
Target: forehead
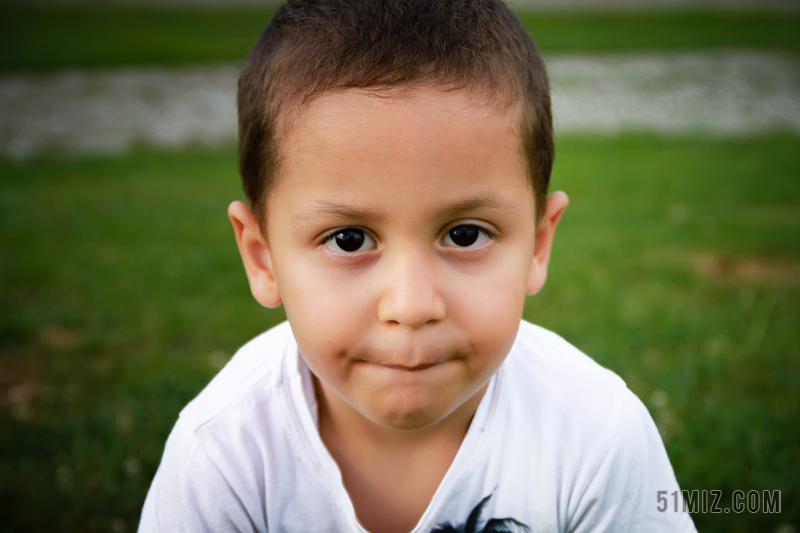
{"x": 407, "y": 141}
{"x": 414, "y": 109}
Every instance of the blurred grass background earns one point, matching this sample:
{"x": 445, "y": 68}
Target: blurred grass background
{"x": 37, "y": 38}
{"x": 121, "y": 291}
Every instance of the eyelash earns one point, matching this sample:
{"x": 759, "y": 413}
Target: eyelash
{"x": 330, "y": 237}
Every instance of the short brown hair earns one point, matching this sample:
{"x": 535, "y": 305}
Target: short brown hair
{"x": 313, "y": 46}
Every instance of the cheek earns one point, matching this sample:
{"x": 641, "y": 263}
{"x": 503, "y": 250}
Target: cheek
{"x": 493, "y": 292}
{"x": 324, "y": 307}
{"x": 489, "y": 307}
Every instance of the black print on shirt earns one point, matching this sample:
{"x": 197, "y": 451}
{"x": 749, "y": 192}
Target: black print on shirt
{"x": 493, "y": 525}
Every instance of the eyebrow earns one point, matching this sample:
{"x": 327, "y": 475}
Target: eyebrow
{"x": 325, "y": 208}
{"x": 483, "y": 201}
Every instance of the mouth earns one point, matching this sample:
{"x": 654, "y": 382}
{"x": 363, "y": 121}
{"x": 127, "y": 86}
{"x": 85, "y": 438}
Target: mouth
{"x": 415, "y": 368}
{"x": 404, "y": 368}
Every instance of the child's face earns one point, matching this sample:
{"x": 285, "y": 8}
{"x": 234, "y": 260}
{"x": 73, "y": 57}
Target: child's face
{"x": 400, "y": 239}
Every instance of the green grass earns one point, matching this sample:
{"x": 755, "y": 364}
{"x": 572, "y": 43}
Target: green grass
{"x": 677, "y": 265}
{"x": 611, "y": 32}
{"x": 61, "y": 36}
{"x": 41, "y": 38}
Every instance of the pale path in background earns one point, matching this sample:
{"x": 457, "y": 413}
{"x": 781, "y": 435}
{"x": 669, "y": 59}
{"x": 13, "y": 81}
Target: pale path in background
{"x": 725, "y": 93}
{"x": 111, "y": 111}
{"x": 728, "y": 93}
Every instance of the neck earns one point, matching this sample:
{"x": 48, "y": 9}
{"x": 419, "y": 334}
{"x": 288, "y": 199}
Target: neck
{"x": 341, "y": 425}
{"x": 390, "y": 474}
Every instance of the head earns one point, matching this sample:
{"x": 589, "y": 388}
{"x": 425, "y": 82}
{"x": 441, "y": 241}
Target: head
{"x": 311, "y": 47}
{"x": 396, "y": 155}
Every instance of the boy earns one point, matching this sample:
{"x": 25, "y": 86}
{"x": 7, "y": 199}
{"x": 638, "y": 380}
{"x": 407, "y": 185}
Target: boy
{"x": 396, "y": 155}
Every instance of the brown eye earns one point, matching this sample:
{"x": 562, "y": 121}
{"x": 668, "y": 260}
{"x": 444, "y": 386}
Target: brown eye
{"x": 350, "y": 240}
{"x": 465, "y": 236}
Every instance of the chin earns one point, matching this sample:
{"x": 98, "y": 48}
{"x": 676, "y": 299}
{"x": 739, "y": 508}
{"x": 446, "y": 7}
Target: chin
{"x": 407, "y": 421}
{"x": 407, "y": 416}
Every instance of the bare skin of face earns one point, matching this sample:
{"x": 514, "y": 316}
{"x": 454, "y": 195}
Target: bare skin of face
{"x": 401, "y": 238}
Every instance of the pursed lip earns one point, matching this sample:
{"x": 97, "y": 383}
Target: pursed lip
{"x": 404, "y": 368}
{"x": 414, "y": 368}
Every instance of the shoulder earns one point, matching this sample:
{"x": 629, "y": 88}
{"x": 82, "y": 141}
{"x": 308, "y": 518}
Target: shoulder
{"x": 548, "y": 369}
{"x": 568, "y": 405}
{"x": 213, "y": 468}
{"x": 189, "y": 493}
{"x": 255, "y": 369}
{"x": 585, "y": 408}
{"x": 590, "y": 433}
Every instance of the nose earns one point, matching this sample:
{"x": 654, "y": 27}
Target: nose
{"x": 410, "y": 296}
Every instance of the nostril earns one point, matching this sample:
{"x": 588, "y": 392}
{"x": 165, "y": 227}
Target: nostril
{"x": 414, "y": 314}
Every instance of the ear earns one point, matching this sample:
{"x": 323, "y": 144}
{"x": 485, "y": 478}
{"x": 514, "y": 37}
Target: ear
{"x": 255, "y": 254}
{"x": 556, "y": 203}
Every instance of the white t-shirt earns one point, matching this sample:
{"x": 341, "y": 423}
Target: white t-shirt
{"x": 558, "y": 443}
